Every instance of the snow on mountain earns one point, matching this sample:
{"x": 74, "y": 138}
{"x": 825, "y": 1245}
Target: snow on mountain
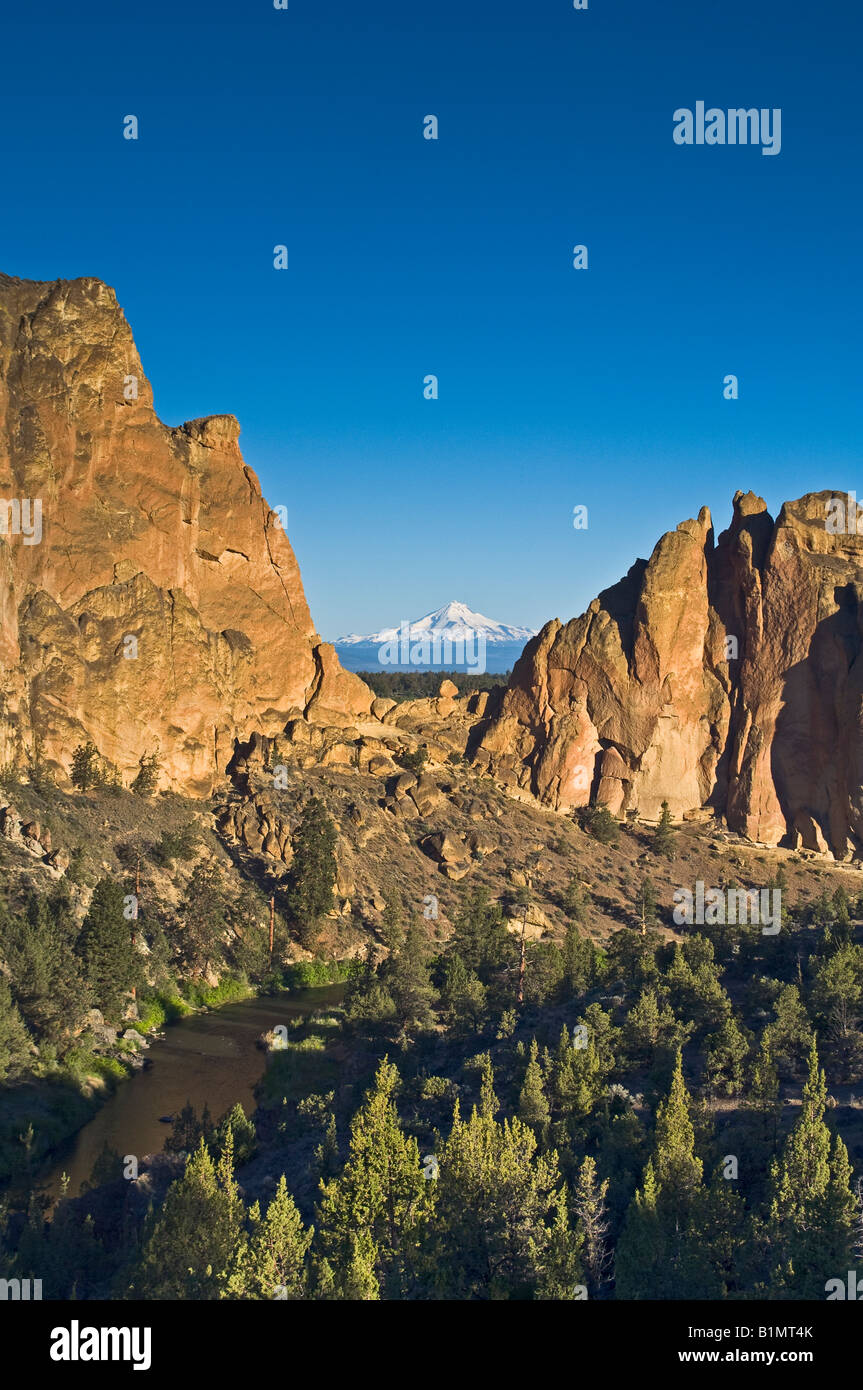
{"x": 455, "y": 622}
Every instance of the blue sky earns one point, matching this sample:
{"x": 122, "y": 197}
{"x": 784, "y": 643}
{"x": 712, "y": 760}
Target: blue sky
{"x": 408, "y": 257}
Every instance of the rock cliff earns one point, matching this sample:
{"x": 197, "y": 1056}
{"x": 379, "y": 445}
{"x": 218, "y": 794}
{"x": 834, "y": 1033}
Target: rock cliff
{"x": 715, "y": 675}
{"x": 149, "y": 598}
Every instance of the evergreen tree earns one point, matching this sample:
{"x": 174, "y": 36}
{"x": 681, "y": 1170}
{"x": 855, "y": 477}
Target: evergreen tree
{"x": 272, "y": 1262}
{"x": 49, "y": 988}
{"x": 812, "y": 1209}
{"x": 533, "y": 1106}
{"x": 111, "y": 963}
{"x": 599, "y": 823}
{"x": 406, "y": 976}
{"x": 665, "y": 836}
{"x": 661, "y": 1253}
{"x": 15, "y": 1041}
{"x": 480, "y": 937}
{"x": 581, "y": 964}
{"x": 147, "y": 777}
{"x": 86, "y": 771}
{"x": 647, "y": 906}
{"x": 372, "y": 1216}
{"x": 500, "y": 1228}
{"x": 312, "y": 874}
{"x": 725, "y": 1058}
{"x": 592, "y": 1223}
{"x": 789, "y": 1036}
{"x": 463, "y": 996}
{"x": 245, "y": 1140}
{"x": 576, "y": 900}
{"x": 204, "y": 913}
{"x": 193, "y": 1244}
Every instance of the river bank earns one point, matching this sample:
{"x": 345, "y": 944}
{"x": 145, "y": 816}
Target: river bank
{"x": 209, "y": 1059}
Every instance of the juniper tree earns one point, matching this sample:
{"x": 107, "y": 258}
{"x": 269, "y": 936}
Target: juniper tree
{"x": 193, "y": 1243}
{"x": 660, "y": 1253}
{"x": 480, "y": 937}
{"x": 533, "y": 1105}
{"x": 86, "y": 771}
{"x": 111, "y": 963}
{"x": 463, "y": 996}
{"x": 665, "y": 836}
{"x": 499, "y": 1231}
{"x": 312, "y": 875}
{"x": 591, "y": 1220}
{"x": 147, "y": 777}
{"x": 406, "y": 977}
{"x": 726, "y": 1052}
{"x": 15, "y": 1041}
{"x": 812, "y": 1211}
{"x": 50, "y": 990}
{"x": 581, "y": 963}
{"x": 372, "y": 1216}
{"x": 273, "y": 1261}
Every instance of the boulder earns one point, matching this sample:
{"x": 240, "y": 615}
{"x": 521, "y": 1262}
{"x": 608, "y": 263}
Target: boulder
{"x": 444, "y": 847}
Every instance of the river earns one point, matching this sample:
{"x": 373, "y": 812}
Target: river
{"x": 208, "y": 1059}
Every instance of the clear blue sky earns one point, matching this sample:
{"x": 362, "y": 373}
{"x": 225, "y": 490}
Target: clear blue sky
{"x": 410, "y": 257}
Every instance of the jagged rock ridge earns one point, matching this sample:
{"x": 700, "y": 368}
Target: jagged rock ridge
{"x": 724, "y": 676}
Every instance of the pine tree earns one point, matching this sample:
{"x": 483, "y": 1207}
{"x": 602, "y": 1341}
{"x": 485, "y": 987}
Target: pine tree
{"x": 50, "y": 990}
{"x": 193, "y": 1243}
{"x": 464, "y": 996}
{"x": 406, "y": 977}
{"x": 312, "y": 874}
{"x": 480, "y": 937}
{"x": 86, "y": 771}
{"x": 372, "y": 1216}
{"x": 533, "y": 1105}
{"x": 647, "y": 906}
{"x": 725, "y": 1057}
{"x": 111, "y": 962}
{"x": 580, "y": 961}
{"x": 812, "y": 1208}
{"x": 498, "y": 1231}
{"x": 272, "y": 1262}
{"x": 392, "y": 932}
{"x": 204, "y": 915}
{"x": 15, "y": 1041}
{"x": 576, "y": 900}
{"x": 665, "y": 836}
{"x": 592, "y": 1222}
{"x": 790, "y": 1035}
{"x": 245, "y": 1139}
{"x": 556, "y": 1257}
{"x": 661, "y": 1252}
{"x": 147, "y": 777}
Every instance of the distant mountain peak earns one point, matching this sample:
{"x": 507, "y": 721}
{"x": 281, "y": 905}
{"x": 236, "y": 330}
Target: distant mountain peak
{"x": 455, "y": 621}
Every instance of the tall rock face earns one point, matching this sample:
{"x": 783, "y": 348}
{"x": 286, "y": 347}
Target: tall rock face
{"x": 157, "y": 604}
{"x": 713, "y": 675}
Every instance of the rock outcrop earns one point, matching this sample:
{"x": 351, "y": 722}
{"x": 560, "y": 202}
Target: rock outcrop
{"x": 157, "y": 606}
{"x": 723, "y": 676}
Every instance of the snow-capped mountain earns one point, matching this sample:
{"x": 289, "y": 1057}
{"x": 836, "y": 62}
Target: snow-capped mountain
{"x": 454, "y": 621}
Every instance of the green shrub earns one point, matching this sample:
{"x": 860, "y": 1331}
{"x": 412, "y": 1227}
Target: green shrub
{"x": 310, "y": 974}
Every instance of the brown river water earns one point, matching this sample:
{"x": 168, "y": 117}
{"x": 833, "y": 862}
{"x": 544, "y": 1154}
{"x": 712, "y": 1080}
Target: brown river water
{"x": 208, "y": 1059}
